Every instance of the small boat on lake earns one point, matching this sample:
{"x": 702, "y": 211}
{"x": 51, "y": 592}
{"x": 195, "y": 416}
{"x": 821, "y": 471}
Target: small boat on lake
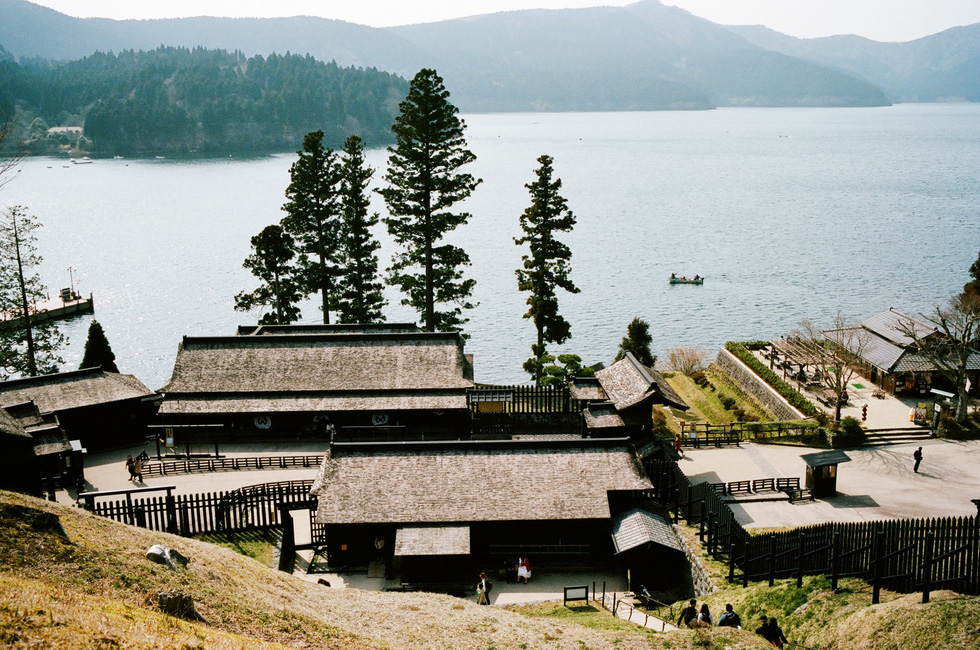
{"x": 676, "y": 279}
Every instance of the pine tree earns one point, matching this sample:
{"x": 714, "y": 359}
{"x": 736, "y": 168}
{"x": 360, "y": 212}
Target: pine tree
{"x": 273, "y": 251}
{"x": 98, "y": 353}
{"x": 28, "y": 346}
{"x": 313, "y": 217}
{"x": 359, "y": 297}
{"x": 548, "y": 266}
{"x": 424, "y": 182}
{"x": 637, "y": 341}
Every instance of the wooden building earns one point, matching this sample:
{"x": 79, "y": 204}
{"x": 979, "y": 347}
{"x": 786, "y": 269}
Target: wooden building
{"x": 443, "y": 511}
{"x": 20, "y": 470}
{"x": 100, "y": 409}
{"x": 347, "y": 382}
{"x": 887, "y": 356}
{"x": 619, "y": 399}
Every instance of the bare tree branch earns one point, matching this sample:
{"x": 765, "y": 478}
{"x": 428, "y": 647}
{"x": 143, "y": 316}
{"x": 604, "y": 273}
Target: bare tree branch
{"x": 836, "y": 352}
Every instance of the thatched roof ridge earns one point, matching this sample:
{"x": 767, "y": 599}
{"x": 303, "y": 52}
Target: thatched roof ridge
{"x": 70, "y": 390}
{"x": 335, "y": 329}
{"x": 415, "y": 485}
{"x": 320, "y": 363}
{"x": 9, "y": 426}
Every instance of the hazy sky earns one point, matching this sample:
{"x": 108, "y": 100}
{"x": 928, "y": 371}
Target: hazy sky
{"x": 883, "y": 20}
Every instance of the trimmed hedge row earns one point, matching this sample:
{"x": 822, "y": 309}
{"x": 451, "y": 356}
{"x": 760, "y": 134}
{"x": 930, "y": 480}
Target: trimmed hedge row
{"x": 791, "y": 394}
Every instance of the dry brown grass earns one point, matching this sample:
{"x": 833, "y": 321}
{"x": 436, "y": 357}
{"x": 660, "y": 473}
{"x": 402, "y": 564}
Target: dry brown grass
{"x": 102, "y": 573}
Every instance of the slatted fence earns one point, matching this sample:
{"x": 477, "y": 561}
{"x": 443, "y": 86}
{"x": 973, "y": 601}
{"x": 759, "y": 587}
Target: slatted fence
{"x": 228, "y": 464}
{"x": 250, "y": 508}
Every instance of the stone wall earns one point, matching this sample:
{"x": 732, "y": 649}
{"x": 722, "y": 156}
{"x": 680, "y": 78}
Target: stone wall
{"x": 699, "y": 574}
{"x": 755, "y": 386}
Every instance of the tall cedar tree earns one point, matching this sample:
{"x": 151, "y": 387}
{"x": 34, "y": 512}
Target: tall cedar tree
{"x": 548, "y": 266}
{"x": 29, "y": 348}
{"x": 359, "y": 297}
{"x": 424, "y": 182}
{"x": 637, "y": 341}
{"x": 313, "y": 217}
{"x": 273, "y": 251}
{"x": 98, "y": 353}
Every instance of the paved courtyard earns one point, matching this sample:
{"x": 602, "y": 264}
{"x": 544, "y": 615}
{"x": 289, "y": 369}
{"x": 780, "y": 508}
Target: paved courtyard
{"x": 878, "y": 483}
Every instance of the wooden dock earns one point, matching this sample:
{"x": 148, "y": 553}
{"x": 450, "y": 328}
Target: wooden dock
{"x": 54, "y": 309}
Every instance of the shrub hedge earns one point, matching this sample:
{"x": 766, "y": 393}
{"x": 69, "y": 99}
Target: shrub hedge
{"x": 792, "y": 395}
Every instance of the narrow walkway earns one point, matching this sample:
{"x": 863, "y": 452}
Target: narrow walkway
{"x": 628, "y": 612}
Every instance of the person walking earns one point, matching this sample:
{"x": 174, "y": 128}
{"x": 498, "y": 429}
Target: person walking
{"x": 677, "y": 444}
{"x": 138, "y": 469}
{"x": 130, "y": 466}
{"x": 918, "y": 459}
{"x": 482, "y": 598}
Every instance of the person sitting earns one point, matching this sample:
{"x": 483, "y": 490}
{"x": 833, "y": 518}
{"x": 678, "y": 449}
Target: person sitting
{"x": 704, "y": 616}
{"x": 673, "y": 276}
{"x": 697, "y": 277}
{"x": 763, "y": 629}
{"x": 524, "y": 570}
{"x": 776, "y": 636}
{"x": 729, "y": 618}
{"x": 689, "y": 614}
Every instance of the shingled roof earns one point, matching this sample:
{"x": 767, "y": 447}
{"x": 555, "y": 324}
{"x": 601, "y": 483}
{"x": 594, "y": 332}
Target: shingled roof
{"x": 638, "y": 527}
{"x": 416, "y": 485}
{"x": 344, "y": 370}
{"x": 71, "y": 390}
{"x": 629, "y": 383}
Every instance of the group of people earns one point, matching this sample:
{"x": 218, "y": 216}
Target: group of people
{"x": 135, "y": 467}
{"x": 693, "y": 617}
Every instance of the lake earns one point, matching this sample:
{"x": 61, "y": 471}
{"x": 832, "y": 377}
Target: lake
{"x": 788, "y": 213}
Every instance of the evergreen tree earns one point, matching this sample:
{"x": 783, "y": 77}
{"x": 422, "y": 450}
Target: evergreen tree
{"x": 637, "y": 341}
{"x": 27, "y": 346}
{"x": 971, "y": 290}
{"x": 547, "y": 267}
{"x": 313, "y": 217}
{"x": 359, "y": 297}
{"x": 424, "y": 183}
{"x": 273, "y": 251}
{"x": 98, "y": 353}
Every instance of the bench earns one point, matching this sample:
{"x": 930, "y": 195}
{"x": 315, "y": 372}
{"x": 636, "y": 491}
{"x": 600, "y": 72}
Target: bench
{"x": 764, "y": 485}
{"x": 718, "y": 488}
{"x": 740, "y": 487}
{"x": 787, "y": 484}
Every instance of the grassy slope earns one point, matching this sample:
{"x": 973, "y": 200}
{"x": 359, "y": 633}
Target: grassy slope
{"x": 92, "y": 592}
{"x": 706, "y": 403}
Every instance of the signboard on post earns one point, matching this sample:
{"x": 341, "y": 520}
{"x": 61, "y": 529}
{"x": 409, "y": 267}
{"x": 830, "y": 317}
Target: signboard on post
{"x": 576, "y": 593}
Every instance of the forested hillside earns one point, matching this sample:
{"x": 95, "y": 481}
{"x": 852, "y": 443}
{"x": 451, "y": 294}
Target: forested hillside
{"x": 175, "y": 99}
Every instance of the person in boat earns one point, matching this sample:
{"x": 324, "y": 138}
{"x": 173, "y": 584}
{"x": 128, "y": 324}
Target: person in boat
{"x": 673, "y": 276}
{"x": 697, "y": 277}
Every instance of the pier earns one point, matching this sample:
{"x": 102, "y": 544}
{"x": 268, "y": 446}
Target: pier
{"x": 55, "y": 309}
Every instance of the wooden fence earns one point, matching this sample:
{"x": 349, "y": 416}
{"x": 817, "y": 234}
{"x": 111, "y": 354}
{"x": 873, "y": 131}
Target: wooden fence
{"x": 525, "y": 399}
{"x": 902, "y": 555}
{"x": 189, "y": 466}
{"x": 747, "y": 430}
{"x": 249, "y": 508}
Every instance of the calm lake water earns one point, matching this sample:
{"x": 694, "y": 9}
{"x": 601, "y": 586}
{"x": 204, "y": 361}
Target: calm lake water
{"x": 788, "y": 213}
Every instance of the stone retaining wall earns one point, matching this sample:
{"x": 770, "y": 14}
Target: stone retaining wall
{"x": 699, "y": 575}
{"x": 757, "y": 387}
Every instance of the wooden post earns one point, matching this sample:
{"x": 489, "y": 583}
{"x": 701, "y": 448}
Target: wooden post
{"x": 879, "y": 552}
{"x": 745, "y": 561}
{"x": 171, "y": 514}
{"x": 690, "y": 497}
{"x": 799, "y": 560}
{"x": 835, "y": 560}
{"x": 701, "y": 520}
{"x": 772, "y": 559}
{"x": 287, "y": 550}
{"x": 927, "y": 566}
{"x": 731, "y": 562}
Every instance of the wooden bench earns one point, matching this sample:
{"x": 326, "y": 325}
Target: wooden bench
{"x": 740, "y": 487}
{"x": 787, "y": 484}
{"x": 764, "y": 485}
{"x": 718, "y": 487}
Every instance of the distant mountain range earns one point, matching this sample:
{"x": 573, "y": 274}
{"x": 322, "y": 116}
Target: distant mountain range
{"x": 643, "y": 56}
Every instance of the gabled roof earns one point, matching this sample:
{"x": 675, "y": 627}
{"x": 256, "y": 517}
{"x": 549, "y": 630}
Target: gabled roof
{"x": 344, "y": 371}
{"x": 413, "y": 484}
{"x": 629, "y": 383}
{"x": 338, "y": 329}
{"x": 822, "y": 458}
{"x": 638, "y": 527}
{"x": 890, "y": 324}
{"x": 602, "y": 415}
{"x": 71, "y": 390}
{"x": 587, "y": 389}
{"x": 9, "y": 426}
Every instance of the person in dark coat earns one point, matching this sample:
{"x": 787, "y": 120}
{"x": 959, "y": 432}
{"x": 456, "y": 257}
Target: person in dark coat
{"x": 776, "y": 636}
{"x": 763, "y": 629}
{"x": 918, "y": 459}
{"x": 130, "y": 465}
{"x": 688, "y": 614}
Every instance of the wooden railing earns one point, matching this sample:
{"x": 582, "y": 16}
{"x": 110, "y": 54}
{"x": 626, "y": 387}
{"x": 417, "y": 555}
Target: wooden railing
{"x": 229, "y": 464}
